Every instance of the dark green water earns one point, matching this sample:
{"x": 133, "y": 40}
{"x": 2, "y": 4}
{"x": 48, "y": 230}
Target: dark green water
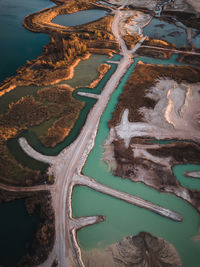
{"x": 188, "y": 182}
{"x": 23, "y": 158}
{"x": 17, "y": 44}
{"x": 86, "y": 71}
{"x": 124, "y": 219}
{"x": 80, "y": 17}
{"x": 33, "y": 134}
{"x": 33, "y": 138}
{"x": 17, "y": 230}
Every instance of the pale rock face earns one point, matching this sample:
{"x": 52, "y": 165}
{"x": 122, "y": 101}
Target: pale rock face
{"x": 133, "y": 22}
{"x": 175, "y": 115}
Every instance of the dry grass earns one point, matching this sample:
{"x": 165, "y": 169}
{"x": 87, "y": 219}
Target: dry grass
{"x": 55, "y": 102}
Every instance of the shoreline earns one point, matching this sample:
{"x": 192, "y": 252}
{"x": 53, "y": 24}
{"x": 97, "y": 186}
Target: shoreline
{"x": 68, "y": 175}
{"x": 71, "y": 69}
{"x": 80, "y": 150}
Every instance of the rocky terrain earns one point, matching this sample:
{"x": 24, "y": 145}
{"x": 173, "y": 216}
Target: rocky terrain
{"x": 142, "y": 250}
{"x": 149, "y": 110}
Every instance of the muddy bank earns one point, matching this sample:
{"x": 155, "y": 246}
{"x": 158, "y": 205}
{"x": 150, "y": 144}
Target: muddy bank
{"x": 68, "y": 45}
{"x": 65, "y": 50}
{"x": 144, "y": 77}
{"x": 102, "y": 70}
{"x": 50, "y": 103}
{"x": 152, "y": 165}
{"x": 140, "y": 250}
{"x": 156, "y": 110}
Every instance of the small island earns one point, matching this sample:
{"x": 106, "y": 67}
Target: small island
{"x": 154, "y": 125}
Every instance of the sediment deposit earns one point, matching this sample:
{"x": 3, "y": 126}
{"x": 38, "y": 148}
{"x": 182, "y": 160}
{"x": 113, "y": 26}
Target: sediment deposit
{"x": 166, "y": 110}
{"x": 140, "y": 250}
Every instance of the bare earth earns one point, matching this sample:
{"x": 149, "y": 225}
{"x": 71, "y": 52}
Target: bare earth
{"x": 67, "y": 166}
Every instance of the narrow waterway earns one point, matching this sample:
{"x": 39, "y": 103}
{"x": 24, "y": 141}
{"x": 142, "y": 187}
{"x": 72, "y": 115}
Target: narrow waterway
{"x": 123, "y": 219}
{"x": 16, "y": 227}
{"x": 32, "y": 137}
{"x": 188, "y": 182}
{"x": 34, "y": 133}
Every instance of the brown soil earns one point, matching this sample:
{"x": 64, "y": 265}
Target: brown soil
{"x": 190, "y": 20}
{"x": 53, "y": 102}
{"x": 157, "y": 173}
{"x": 66, "y": 48}
{"x": 142, "y": 78}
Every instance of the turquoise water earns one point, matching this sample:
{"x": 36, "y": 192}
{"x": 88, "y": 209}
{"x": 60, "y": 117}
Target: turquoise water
{"x": 159, "y": 29}
{"x": 33, "y": 138}
{"x": 80, "y": 17}
{"x": 188, "y": 182}
{"x": 122, "y": 218}
{"x": 17, "y": 230}
{"x": 17, "y": 44}
{"x": 196, "y": 41}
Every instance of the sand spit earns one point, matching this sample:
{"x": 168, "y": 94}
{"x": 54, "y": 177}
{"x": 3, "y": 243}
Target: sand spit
{"x": 70, "y": 162}
{"x": 67, "y": 166}
{"x": 193, "y": 174}
{"x": 84, "y": 180}
{"x": 88, "y": 95}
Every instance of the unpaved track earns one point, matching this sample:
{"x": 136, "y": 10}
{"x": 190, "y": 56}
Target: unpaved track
{"x": 68, "y": 164}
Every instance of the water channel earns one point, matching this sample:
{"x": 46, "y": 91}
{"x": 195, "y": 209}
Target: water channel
{"x": 121, "y": 218}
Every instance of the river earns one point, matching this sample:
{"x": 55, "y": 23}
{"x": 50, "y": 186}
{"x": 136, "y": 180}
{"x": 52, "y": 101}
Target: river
{"x": 121, "y": 218}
